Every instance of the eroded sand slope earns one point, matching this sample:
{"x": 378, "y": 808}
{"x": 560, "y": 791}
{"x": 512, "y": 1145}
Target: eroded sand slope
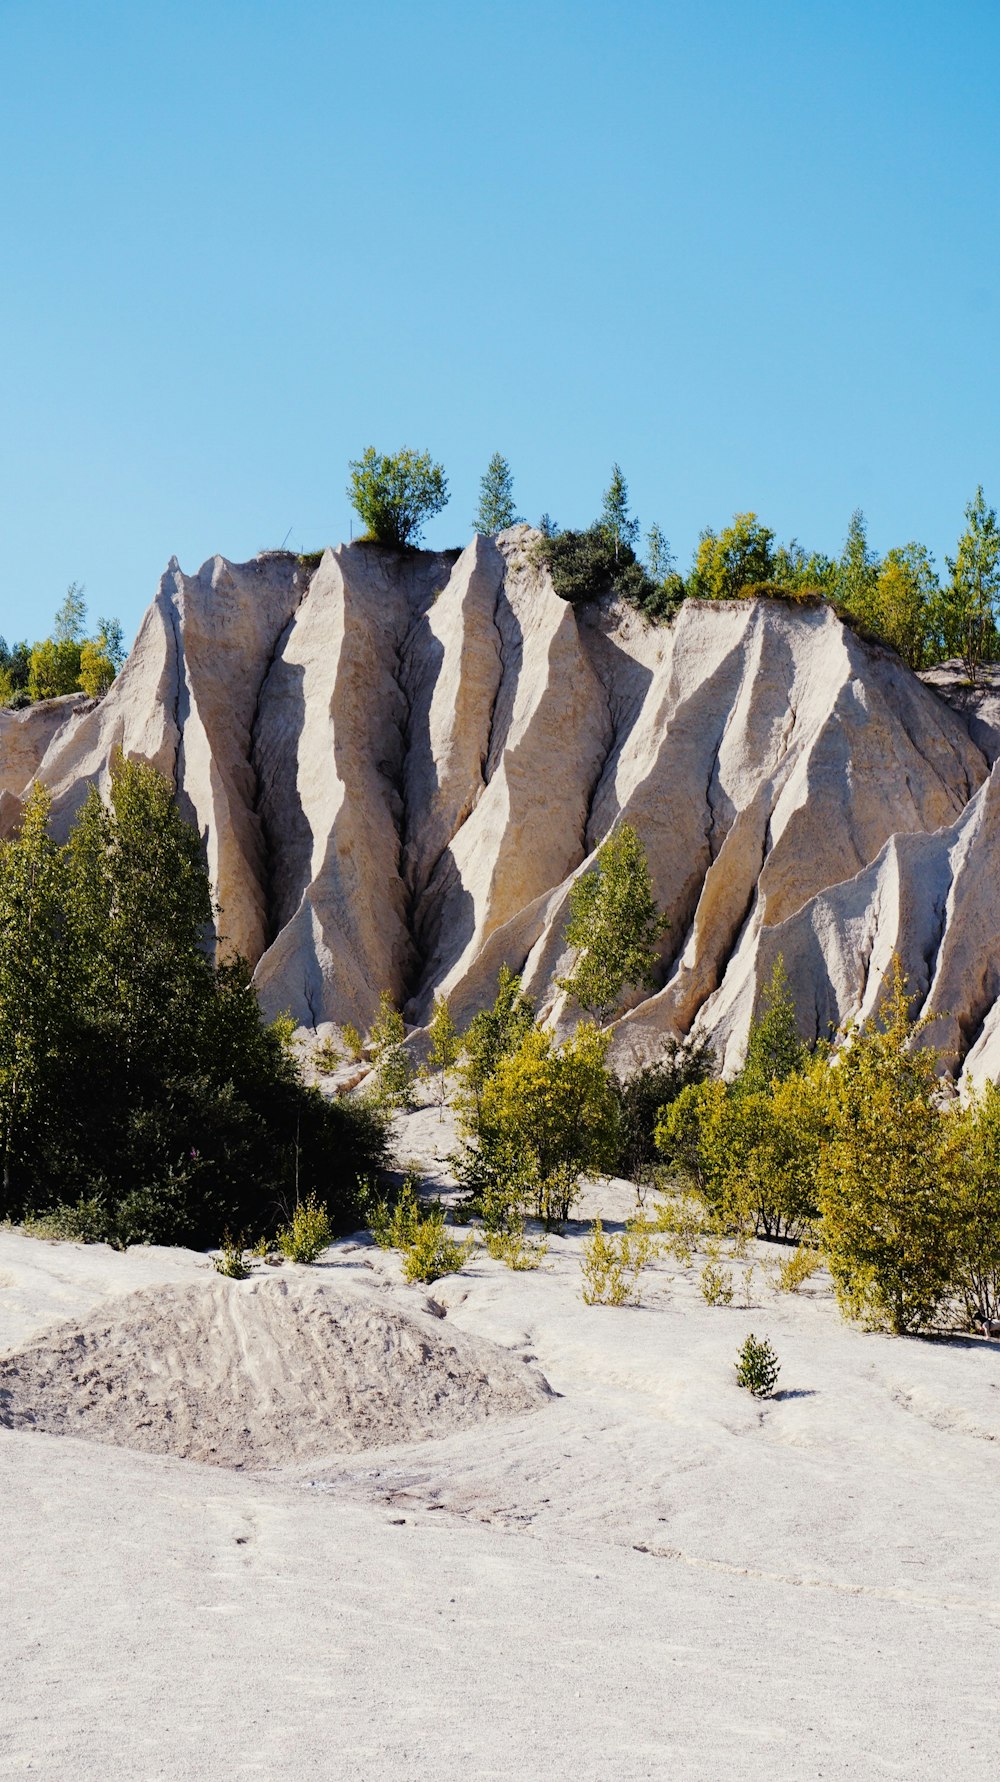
{"x": 400, "y": 764}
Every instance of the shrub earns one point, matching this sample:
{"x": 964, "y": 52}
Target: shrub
{"x": 394, "y": 1224}
{"x": 643, "y": 1096}
{"x": 585, "y": 566}
{"x": 326, "y": 1057}
{"x": 514, "y": 1248}
{"x": 392, "y": 1089}
{"x": 887, "y": 1227}
{"x": 395, "y": 493}
{"x": 612, "y": 1265}
{"x": 353, "y": 1042}
{"x": 309, "y": 1232}
{"x": 716, "y": 1285}
{"x": 230, "y": 1259}
{"x": 432, "y": 1252}
{"x": 793, "y": 1271}
{"x": 681, "y": 1219}
{"x": 86, "y": 1222}
{"x": 757, "y": 1367}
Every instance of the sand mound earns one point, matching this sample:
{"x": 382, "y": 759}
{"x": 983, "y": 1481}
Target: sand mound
{"x": 263, "y": 1372}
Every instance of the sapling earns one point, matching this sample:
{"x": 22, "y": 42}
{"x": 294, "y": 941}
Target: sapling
{"x": 757, "y": 1367}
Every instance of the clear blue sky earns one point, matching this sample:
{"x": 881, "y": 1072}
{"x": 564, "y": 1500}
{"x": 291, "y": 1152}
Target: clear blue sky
{"x": 749, "y": 250}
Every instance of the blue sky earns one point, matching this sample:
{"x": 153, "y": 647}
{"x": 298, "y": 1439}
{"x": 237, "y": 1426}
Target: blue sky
{"x": 748, "y": 250}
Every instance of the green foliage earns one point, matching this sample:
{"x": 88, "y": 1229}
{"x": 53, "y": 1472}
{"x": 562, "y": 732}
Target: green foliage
{"x": 394, "y": 494}
{"x": 85, "y": 1222}
{"x": 552, "y": 1107}
{"x": 132, "y": 1071}
{"x": 514, "y": 1249}
{"x": 392, "y": 1088}
{"x": 432, "y": 1253}
{"x": 643, "y": 1096}
{"x": 972, "y": 1175}
{"x": 614, "y": 925}
{"x": 66, "y": 662}
{"x": 308, "y": 1233}
{"x": 970, "y": 603}
{"x": 326, "y": 1057}
{"x": 230, "y": 1261}
{"x": 612, "y": 1265}
{"x": 394, "y": 1224}
{"x": 586, "y": 566}
{"x": 795, "y": 1270}
{"x": 493, "y": 1034}
{"x": 96, "y": 670}
{"x": 15, "y": 672}
{"x": 885, "y": 1218}
{"x": 496, "y": 498}
{"x": 774, "y": 1047}
{"x": 353, "y": 1042}
{"x": 727, "y": 561}
{"x": 716, "y": 1284}
{"x": 617, "y": 525}
{"x": 445, "y": 1047}
{"x": 55, "y": 668}
{"x": 857, "y": 570}
{"x": 682, "y": 1222}
{"x": 757, "y": 1367}
{"x": 70, "y": 623}
{"x": 752, "y": 1147}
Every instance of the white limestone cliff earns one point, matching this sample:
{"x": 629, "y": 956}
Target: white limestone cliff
{"x": 400, "y": 763}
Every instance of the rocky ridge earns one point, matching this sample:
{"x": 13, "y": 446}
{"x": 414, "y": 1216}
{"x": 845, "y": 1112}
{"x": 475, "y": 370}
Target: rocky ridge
{"x": 400, "y": 763}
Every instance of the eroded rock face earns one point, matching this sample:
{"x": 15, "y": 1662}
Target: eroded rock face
{"x": 401, "y": 762}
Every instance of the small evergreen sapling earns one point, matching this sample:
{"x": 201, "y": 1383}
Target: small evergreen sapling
{"x": 757, "y": 1367}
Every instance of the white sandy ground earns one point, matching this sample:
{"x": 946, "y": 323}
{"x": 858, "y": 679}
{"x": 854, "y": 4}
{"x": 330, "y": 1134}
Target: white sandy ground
{"x": 650, "y": 1575}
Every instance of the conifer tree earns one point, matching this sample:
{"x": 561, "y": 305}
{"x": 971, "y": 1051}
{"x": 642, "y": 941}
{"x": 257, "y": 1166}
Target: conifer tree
{"x": 496, "y": 498}
{"x": 620, "y": 528}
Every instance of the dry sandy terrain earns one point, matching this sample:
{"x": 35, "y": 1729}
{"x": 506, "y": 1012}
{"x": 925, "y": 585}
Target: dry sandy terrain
{"x": 644, "y": 1574}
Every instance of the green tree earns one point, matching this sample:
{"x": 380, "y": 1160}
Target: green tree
{"x": 393, "y": 1086}
{"x": 445, "y": 1047}
{"x": 36, "y": 984}
{"x": 554, "y": 1107}
{"x": 71, "y": 619}
{"x": 110, "y": 641}
{"x": 493, "y": 1034}
{"x": 614, "y": 925}
{"x": 726, "y": 562}
{"x": 618, "y": 526}
{"x": 395, "y": 493}
{"x": 97, "y": 671}
{"x": 801, "y": 571}
{"x": 972, "y": 1172}
{"x": 55, "y": 668}
{"x": 774, "y": 1047}
{"x": 970, "y": 602}
{"x": 905, "y": 606}
{"x": 496, "y": 498}
{"x": 644, "y": 1096}
{"x": 659, "y": 556}
{"x": 857, "y": 572}
{"x": 15, "y": 672}
{"x": 886, "y": 1227}
{"x": 164, "y": 1098}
